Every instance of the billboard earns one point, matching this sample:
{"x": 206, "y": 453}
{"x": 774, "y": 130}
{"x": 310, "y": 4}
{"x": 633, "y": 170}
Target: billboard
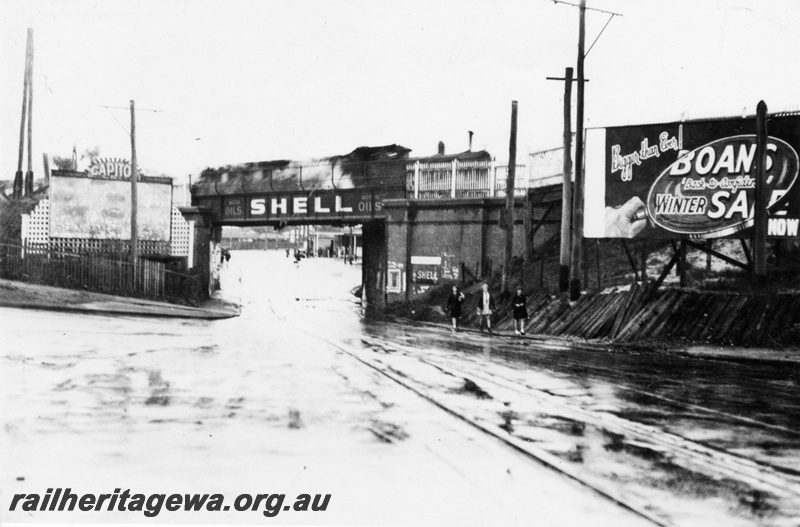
{"x": 84, "y": 207}
{"x": 692, "y": 179}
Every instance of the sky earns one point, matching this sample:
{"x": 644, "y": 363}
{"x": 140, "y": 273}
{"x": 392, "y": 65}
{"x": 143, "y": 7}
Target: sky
{"x": 255, "y": 80}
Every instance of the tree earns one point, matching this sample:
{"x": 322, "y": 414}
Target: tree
{"x": 64, "y": 163}
{"x": 91, "y": 154}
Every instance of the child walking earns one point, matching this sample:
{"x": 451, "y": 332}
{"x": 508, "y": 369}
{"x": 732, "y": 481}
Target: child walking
{"x": 520, "y": 312}
{"x": 454, "y": 306}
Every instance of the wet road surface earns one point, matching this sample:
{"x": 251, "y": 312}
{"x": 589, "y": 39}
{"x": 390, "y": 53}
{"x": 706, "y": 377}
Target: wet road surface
{"x": 301, "y": 395}
{"x": 254, "y": 405}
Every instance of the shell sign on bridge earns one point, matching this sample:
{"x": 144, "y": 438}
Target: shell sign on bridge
{"x": 690, "y": 179}
{"x": 319, "y": 206}
{"x": 347, "y": 188}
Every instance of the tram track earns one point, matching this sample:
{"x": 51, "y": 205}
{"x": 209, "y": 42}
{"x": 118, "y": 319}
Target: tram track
{"x": 536, "y": 454}
{"x": 692, "y": 455}
{"x": 609, "y": 373}
{"x": 533, "y": 453}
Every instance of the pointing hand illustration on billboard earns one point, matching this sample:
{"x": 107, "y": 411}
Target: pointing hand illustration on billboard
{"x": 626, "y": 221}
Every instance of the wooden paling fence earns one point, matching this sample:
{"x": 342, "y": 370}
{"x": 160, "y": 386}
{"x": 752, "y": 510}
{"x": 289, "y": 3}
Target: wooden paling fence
{"x": 636, "y": 315}
{"x": 100, "y": 273}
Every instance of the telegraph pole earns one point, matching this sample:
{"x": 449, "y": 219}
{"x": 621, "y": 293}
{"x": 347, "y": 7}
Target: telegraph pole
{"x": 566, "y": 200}
{"x": 576, "y": 262}
{"x": 134, "y": 192}
{"x": 566, "y": 191}
{"x": 18, "y": 179}
{"x": 134, "y": 249}
{"x": 512, "y": 169}
{"x": 29, "y": 173}
{"x": 577, "y": 210}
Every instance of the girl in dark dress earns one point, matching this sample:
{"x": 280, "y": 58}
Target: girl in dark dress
{"x": 520, "y": 312}
{"x": 454, "y": 306}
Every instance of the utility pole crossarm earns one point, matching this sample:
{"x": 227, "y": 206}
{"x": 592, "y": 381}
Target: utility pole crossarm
{"x": 583, "y": 7}
{"x": 563, "y": 79}
{"x": 587, "y": 8}
{"x": 126, "y": 108}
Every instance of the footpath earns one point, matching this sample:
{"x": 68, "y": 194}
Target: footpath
{"x": 34, "y": 296}
{"x": 789, "y": 356}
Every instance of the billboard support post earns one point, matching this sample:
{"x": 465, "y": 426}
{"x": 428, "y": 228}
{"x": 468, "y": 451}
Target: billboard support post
{"x": 762, "y": 198}
{"x": 682, "y": 267}
{"x": 643, "y": 262}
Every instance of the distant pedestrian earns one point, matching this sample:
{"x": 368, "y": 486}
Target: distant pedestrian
{"x": 486, "y": 307}
{"x": 519, "y": 302}
{"x": 454, "y": 306}
{"x": 287, "y": 252}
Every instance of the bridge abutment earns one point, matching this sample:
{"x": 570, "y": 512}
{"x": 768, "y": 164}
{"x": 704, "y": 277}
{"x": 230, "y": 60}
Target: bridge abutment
{"x": 430, "y": 242}
{"x": 373, "y": 264}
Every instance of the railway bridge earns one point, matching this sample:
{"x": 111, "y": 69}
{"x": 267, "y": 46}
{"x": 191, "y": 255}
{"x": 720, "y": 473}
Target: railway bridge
{"x": 424, "y": 220}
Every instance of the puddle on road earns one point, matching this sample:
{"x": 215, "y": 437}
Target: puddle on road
{"x": 642, "y": 471}
{"x": 470, "y": 388}
{"x": 387, "y": 432}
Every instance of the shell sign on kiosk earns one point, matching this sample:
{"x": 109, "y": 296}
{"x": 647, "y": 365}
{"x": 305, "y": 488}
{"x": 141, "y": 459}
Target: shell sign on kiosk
{"x": 426, "y": 269}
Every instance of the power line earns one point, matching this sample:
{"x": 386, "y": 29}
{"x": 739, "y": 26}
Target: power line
{"x": 585, "y": 8}
{"x": 118, "y": 121}
{"x": 109, "y": 108}
{"x": 600, "y": 34}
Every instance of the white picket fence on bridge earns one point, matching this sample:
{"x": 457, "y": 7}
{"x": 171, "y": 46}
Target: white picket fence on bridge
{"x": 482, "y": 178}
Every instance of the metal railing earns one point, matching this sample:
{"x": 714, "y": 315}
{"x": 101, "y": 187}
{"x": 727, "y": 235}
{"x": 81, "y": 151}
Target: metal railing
{"x": 111, "y": 274}
{"x": 482, "y": 178}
